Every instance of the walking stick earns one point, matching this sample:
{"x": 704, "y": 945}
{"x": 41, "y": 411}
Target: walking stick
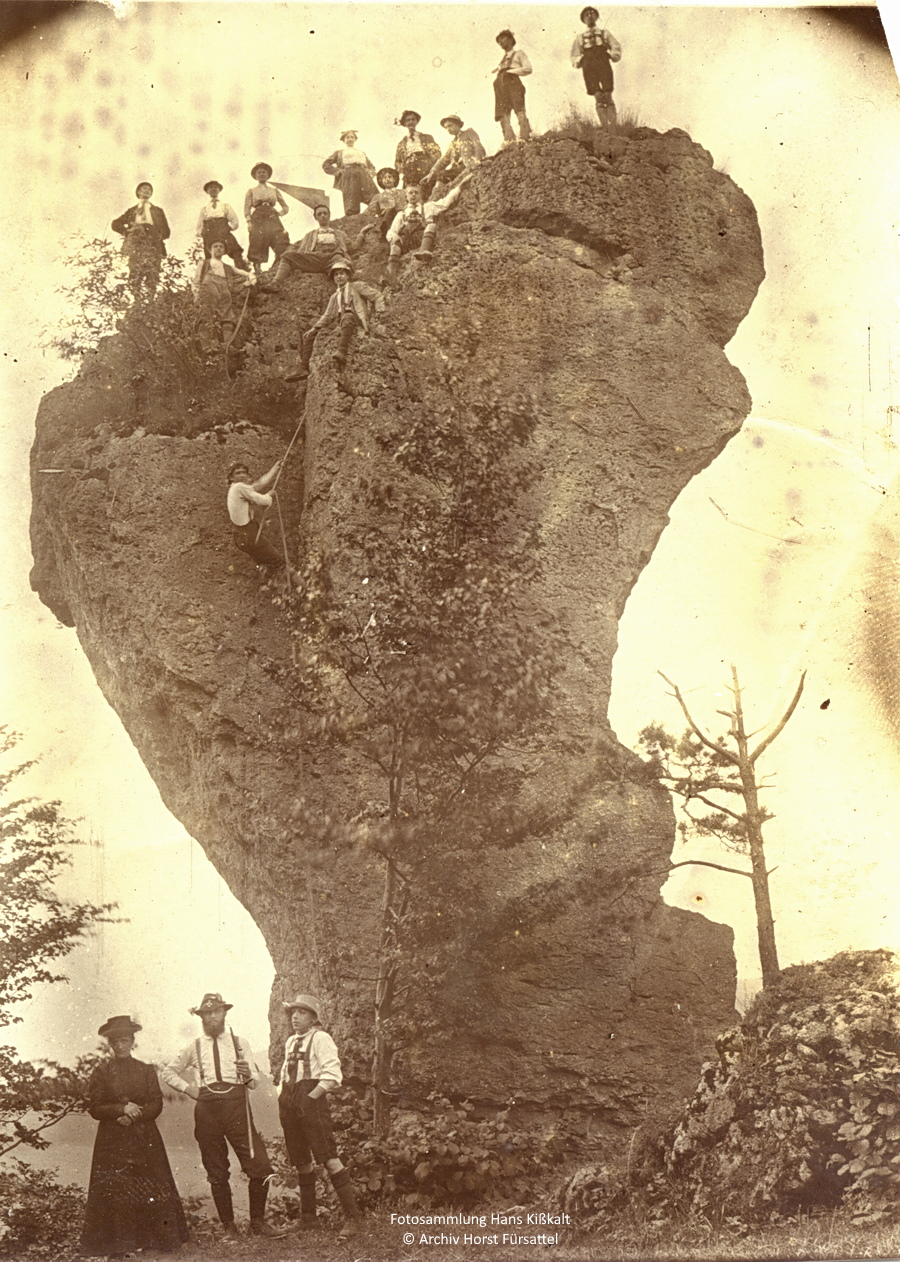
{"x": 247, "y": 1106}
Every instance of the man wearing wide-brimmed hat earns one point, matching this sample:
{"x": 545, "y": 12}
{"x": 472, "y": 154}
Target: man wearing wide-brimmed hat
{"x": 219, "y": 222}
{"x": 224, "y": 1069}
{"x": 417, "y": 152}
{"x": 463, "y": 153}
{"x": 263, "y": 208}
{"x": 311, "y": 1070}
{"x": 348, "y": 307}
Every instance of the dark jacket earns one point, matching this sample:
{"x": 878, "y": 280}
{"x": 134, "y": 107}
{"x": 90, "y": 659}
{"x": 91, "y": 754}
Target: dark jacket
{"x": 160, "y": 223}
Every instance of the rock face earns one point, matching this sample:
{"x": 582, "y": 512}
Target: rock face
{"x": 605, "y": 279}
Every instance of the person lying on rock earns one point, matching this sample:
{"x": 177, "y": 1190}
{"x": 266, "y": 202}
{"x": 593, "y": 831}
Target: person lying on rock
{"x": 212, "y": 293}
{"x": 509, "y": 90}
{"x": 417, "y": 152}
{"x": 391, "y": 198}
{"x": 348, "y": 307}
{"x": 218, "y": 222}
{"x": 352, "y": 171}
{"x": 145, "y": 229}
{"x": 263, "y": 208}
{"x": 593, "y": 52}
{"x": 311, "y": 1070}
{"x": 315, "y": 252}
{"x": 463, "y": 154}
{"x": 414, "y": 228}
{"x": 245, "y": 501}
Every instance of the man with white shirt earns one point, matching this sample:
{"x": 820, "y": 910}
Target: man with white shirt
{"x": 223, "y": 1070}
{"x": 211, "y": 284}
{"x": 509, "y": 90}
{"x": 145, "y": 229}
{"x": 218, "y": 222}
{"x": 311, "y": 1070}
{"x": 244, "y": 500}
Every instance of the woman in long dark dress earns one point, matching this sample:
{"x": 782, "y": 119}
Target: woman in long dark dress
{"x": 132, "y": 1199}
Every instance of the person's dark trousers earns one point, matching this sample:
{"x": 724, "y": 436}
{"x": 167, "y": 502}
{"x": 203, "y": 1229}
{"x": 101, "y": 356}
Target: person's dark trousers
{"x": 349, "y": 325}
{"x": 218, "y": 230}
{"x": 218, "y": 1122}
{"x": 261, "y": 550}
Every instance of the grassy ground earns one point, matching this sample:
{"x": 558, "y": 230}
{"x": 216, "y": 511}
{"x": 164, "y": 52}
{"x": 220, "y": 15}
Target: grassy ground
{"x": 828, "y": 1236}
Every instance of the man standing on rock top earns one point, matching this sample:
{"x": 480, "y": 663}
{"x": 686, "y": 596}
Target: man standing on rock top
{"x": 509, "y": 90}
{"x": 224, "y": 1069}
{"x": 593, "y": 52}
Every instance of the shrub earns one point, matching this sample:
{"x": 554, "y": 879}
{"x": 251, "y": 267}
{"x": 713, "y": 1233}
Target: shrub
{"x": 39, "y": 1217}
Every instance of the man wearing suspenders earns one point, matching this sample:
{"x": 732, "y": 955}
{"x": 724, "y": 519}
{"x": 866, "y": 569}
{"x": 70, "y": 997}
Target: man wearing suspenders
{"x": 223, "y": 1065}
{"x": 311, "y": 1069}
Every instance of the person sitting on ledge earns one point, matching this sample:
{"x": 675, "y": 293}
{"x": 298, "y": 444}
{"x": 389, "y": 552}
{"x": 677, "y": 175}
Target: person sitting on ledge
{"x": 348, "y": 307}
{"x": 315, "y": 252}
{"x": 414, "y": 228}
{"x": 391, "y": 198}
{"x": 463, "y": 154}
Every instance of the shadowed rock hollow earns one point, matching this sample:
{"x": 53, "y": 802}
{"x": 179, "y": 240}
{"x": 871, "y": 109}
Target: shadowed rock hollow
{"x": 606, "y": 283}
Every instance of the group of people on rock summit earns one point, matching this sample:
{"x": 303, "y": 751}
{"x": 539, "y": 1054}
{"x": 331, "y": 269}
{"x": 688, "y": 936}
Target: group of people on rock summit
{"x": 406, "y": 199}
{"x": 133, "y": 1202}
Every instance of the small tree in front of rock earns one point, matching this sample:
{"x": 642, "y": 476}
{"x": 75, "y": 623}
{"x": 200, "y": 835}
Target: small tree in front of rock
{"x": 435, "y": 675}
{"x": 717, "y": 780}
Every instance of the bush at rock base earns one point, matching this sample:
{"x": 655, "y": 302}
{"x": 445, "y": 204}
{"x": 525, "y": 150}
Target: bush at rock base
{"x": 444, "y": 1158}
{"x": 39, "y": 1217}
{"x": 799, "y": 1110}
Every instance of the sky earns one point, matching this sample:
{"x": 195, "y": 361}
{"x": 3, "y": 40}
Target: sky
{"x": 779, "y": 557}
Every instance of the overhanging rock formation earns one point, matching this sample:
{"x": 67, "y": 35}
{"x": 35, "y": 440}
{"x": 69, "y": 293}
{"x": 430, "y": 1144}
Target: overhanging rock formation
{"x": 606, "y": 281}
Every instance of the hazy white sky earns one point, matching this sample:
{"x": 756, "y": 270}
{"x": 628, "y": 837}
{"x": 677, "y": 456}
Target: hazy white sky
{"x": 802, "y": 114}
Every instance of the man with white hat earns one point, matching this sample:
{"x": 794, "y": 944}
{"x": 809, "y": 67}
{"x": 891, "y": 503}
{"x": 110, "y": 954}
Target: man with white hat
{"x": 224, "y": 1070}
{"x": 311, "y": 1070}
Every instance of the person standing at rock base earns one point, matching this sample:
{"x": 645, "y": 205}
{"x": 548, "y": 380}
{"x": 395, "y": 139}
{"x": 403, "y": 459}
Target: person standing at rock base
{"x": 414, "y": 228}
{"x": 223, "y": 1065}
{"x": 509, "y": 90}
{"x": 593, "y": 53}
{"x": 310, "y": 1071}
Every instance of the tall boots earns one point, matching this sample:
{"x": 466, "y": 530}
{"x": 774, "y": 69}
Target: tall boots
{"x": 259, "y": 1191}
{"x": 221, "y": 1194}
{"x": 307, "y": 1182}
{"x": 425, "y": 251}
{"x": 276, "y": 277}
{"x": 340, "y": 1181}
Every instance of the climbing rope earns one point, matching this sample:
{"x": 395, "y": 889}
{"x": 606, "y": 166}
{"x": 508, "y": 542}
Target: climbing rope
{"x": 235, "y": 330}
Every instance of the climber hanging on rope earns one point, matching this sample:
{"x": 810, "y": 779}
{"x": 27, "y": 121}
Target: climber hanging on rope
{"x": 245, "y": 500}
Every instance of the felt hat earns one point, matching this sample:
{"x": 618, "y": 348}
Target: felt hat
{"x": 142, "y": 184}
{"x": 451, "y": 118}
{"x": 303, "y": 1001}
{"x": 118, "y": 1025}
{"x": 349, "y": 131}
{"x": 590, "y": 9}
{"x": 340, "y": 261}
{"x": 387, "y": 171}
{"x": 408, "y": 114}
{"x": 210, "y": 184}
{"x": 210, "y": 1002}
{"x": 265, "y": 166}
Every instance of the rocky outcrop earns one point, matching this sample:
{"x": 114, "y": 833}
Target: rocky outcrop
{"x": 605, "y": 280}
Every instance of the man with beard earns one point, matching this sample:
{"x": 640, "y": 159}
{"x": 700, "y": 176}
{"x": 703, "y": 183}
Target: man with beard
{"x": 224, "y": 1070}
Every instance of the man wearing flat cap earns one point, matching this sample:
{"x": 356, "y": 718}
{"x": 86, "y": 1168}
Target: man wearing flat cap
{"x": 311, "y": 1070}
{"x": 417, "y": 152}
{"x": 222, "y": 1065}
{"x": 592, "y": 53}
{"x": 218, "y": 222}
